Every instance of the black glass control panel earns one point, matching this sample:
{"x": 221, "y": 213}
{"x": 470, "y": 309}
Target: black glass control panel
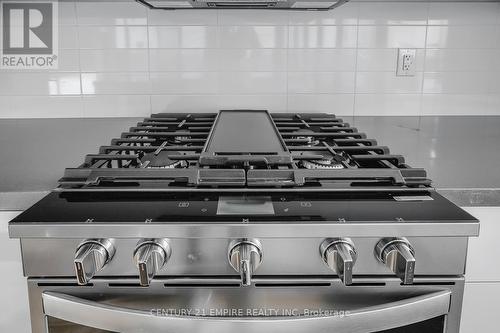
{"x": 199, "y": 207}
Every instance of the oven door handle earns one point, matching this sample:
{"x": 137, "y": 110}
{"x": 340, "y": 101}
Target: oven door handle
{"x": 370, "y": 319}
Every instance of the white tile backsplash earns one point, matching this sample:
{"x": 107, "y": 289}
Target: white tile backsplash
{"x": 115, "y": 83}
{"x": 398, "y": 13}
{"x": 180, "y": 37}
{"x": 388, "y": 83}
{"x": 319, "y": 60}
{"x": 252, "y": 37}
{"x": 111, "y": 13}
{"x": 463, "y": 37}
{"x": 321, "y": 83}
{"x": 384, "y": 60}
{"x": 175, "y": 60}
{"x": 110, "y": 37}
{"x": 252, "y": 60}
{"x": 114, "y": 60}
{"x": 322, "y": 36}
{"x": 457, "y": 105}
{"x": 338, "y": 104}
{"x": 450, "y": 60}
{"x": 463, "y": 13}
{"x": 391, "y": 36}
{"x": 253, "y": 83}
{"x": 253, "y": 17}
{"x": 97, "y": 106}
{"x": 458, "y": 82}
{"x": 346, "y": 14}
{"x": 184, "y": 83}
{"x": 388, "y": 104}
{"x": 122, "y": 59}
{"x": 182, "y": 17}
{"x": 39, "y": 83}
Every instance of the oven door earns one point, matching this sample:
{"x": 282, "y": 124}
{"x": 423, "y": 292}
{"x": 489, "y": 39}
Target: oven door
{"x": 265, "y": 307}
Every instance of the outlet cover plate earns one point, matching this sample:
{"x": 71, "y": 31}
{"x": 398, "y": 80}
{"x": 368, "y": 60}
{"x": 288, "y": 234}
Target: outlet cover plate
{"x": 406, "y": 62}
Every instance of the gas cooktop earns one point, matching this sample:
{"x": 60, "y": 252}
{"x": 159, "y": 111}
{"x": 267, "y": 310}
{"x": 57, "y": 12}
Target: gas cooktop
{"x": 244, "y": 149}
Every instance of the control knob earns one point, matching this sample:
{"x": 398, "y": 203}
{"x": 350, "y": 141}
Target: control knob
{"x": 91, "y": 257}
{"x": 399, "y": 256}
{"x": 245, "y": 256}
{"x": 150, "y": 256}
{"x": 339, "y": 254}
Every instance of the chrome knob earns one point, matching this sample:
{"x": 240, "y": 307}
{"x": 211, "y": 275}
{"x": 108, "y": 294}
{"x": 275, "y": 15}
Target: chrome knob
{"x": 150, "y": 256}
{"x": 399, "y": 256}
{"x": 339, "y": 254}
{"x": 245, "y": 256}
{"x": 91, "y": 256}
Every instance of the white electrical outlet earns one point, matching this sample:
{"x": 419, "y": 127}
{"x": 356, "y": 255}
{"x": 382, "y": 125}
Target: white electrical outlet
{"x": 406, "y": 62}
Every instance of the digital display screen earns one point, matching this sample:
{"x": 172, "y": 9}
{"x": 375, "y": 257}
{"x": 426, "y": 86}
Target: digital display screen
{"x": 245, "y": 205}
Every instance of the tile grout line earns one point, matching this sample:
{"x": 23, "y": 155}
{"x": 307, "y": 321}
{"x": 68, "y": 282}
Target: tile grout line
{"x": 80, "y": 71}
{"x": 358, "y": 10}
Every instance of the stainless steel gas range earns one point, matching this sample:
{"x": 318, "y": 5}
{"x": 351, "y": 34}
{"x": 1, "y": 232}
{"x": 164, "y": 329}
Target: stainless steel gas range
{"x": 244, "y": 221}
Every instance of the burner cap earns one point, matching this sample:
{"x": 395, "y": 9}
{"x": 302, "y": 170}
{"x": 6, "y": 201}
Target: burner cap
{"x": 311, "y": 141}
{"x": 161, "y": 160}
{"x": 328, "y": 161}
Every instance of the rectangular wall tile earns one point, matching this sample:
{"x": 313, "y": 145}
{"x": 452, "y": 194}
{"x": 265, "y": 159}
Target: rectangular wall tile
{"x": 110, "y": 37}
{"x": 184, "y": 103}
{"x": 182, "y": 37}
{"x": 111, "y": 13}
{"x": 252, "y": 37}
{"x": 462, "y": 37}
{"x": 39, "y": 83}
{"x": 116, "y": 106}
{"x": 253, "y": 17}
{"x": 338, "y": 104}
{"x": 387, "y": 104}
{"x": 252, "y": 60}
{"x": 6, "y": 107}
{"x": 183, "y": 60}
{"x": 46, "y": 107}
{"x": 253, "y": 83}
{"x": 392, "y": 13}
{"x": 464, "y": 13}
{"x": 272, "y": 103}
{"x": 456, "y": 105}
{"x": 114, "y": 60}
{"x": 68, "y": 37}
{"x": 320, "y": 83}
{"x": 67, "y": 13}
{"x": 319, "y": 60}
{"x": 322, "y": 36}
{"x": 388, "y": 82}
{"x": 346, "y": 14}
{"x": 133, "y": 83}
{"x": 188, "y": 83}
{"x": 391, "y": 36}
{"x": 449, "y": 60}
{"x": 458, "y": 82}
{"x": 182, "y": 17}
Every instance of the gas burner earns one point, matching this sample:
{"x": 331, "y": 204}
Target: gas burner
{"x": 162, "y": 161}
{"x": 328, "y": 161}
{"x": 311, "y": 141}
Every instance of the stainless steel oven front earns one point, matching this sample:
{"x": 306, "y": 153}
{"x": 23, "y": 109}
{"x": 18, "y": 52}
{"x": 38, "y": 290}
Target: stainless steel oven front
{"x": 271, "y": 304}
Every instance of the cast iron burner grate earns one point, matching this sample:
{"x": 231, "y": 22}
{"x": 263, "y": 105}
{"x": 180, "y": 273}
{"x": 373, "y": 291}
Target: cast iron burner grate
{"x": 244, "y": 148}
